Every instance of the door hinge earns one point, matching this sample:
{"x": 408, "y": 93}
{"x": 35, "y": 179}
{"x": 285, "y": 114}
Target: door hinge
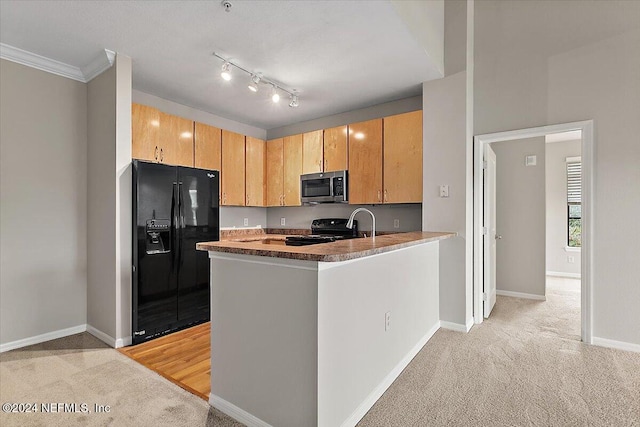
{"x": 484, "y": 164}
{"x": 485, "y": 230}
{"x": 484, "y": 296}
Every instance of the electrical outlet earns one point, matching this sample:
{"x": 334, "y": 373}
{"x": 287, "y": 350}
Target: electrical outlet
{"x": 245, "y": 222}
{"x": 283, "y": 221}
{"x": 444, "y": 191}
{"x": 387, "y": 321}
{"x": 396, "y": 223}
{"x": 571, "y": 259}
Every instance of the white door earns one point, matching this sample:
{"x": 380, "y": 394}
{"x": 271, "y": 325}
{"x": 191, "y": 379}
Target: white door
{"x": 490, "y": 235}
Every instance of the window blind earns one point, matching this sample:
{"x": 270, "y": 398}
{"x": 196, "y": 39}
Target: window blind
{"x": 574, "y": 182}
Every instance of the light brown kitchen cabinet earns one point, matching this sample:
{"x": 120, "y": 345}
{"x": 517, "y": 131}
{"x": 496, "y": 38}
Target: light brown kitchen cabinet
{"x": 161, "y": 137}
{"x": 403, "y": 158}
{"x": 312, "y": 152}
{"x": 365, "y": 162}
{"x": 145, "y": 133}
{"x": 176, "y": 140}
{"x": 233, "y": 169}
{"x": 255, "y": 152}
{"x": 275, "y": 172}
{"x": 292, "y": 169}
{"x": 335, "y": 150}
{"x": 208, "y": 147}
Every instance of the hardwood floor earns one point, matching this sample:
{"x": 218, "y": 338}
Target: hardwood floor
{"x": 183, "y": 358}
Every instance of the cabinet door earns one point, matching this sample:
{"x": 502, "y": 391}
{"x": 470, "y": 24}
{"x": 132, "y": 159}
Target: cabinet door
{"x": 312, "y": 152}
{"x": 208, "y": 147}
{"x": 292, "y": 169}
{"x": 176, "y": 140}
{"x": 403, "y": 158}
{"x": 233, "y": 169}
{"x": 335, "y": 149}
{"x": 145, "y": 127}
{"x": 365, "y": 162}
{"x": 275, "y": 172}
{"x": 255, "y": 173}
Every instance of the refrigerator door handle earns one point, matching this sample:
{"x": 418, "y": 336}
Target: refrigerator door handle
{"x": 180, "y": 224}
{"x": 174, "y": 220}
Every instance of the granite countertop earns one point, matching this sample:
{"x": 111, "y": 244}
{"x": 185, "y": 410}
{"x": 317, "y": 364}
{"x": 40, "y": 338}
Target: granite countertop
{"x": 272, "y": 245}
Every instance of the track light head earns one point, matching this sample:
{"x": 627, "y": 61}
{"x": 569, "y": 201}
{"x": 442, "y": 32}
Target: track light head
{"x": 226, "y": 71}
{"x": 293, "y": 103}
{"x": 275, "y": 96}
{"x": 253, "y": 84}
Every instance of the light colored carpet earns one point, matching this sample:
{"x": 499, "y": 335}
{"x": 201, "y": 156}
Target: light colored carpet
{"x": 523, "y": 366}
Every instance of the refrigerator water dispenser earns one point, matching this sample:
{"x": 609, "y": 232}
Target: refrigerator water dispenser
{"x": 158, "y": 232}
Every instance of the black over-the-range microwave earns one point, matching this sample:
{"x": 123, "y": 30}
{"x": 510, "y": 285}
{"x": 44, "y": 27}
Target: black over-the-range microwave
{"x": 324, "y": 187}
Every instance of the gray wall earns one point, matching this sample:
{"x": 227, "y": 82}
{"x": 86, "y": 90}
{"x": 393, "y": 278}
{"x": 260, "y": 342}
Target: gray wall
{"x": 43, "y": 214}
{"x": 355, "y": 116}
{"x": 233, "y": 216}
{"x": 444, "y": 164}
{"x": 171, "y": 107}
{"x": 525, "y": 81}
{"x": 556, "y": 154}
{"x": 301, "y": 216}
{"x": 520, "y": 216}
{"x": 109, "y": 204}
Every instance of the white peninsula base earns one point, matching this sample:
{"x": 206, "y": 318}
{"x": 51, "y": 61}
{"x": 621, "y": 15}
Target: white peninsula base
{"x": 305, "y": 343}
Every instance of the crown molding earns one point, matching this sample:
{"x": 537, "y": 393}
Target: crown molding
{"x": 33, "y": 60}
{"x": 100, "y": 63}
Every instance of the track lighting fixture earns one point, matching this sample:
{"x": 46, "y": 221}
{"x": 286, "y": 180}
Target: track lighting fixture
{"x": 275, "y": 96}
{"x": 256, "y": 80}
{"x": 293, "y": 103}
{"x": 226, "y": 71}
{"x": 253, "y": 84}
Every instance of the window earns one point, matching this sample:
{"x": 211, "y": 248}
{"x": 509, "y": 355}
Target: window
{"x": 574, "y": 202}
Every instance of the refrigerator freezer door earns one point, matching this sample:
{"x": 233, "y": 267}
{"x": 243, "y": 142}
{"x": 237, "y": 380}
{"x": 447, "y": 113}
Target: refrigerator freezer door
{"x": 154, "y": 255}
{"x": 198, "y": 222}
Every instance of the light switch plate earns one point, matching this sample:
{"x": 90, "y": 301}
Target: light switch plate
{"x": 530, "y": 160}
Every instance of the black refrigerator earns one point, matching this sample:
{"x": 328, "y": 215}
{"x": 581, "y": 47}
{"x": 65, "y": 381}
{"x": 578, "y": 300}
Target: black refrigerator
{"x": 174, "y": 207}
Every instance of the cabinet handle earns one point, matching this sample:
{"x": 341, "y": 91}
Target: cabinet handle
{"x": 161, "y": 155}
{"x": 385, "y": 196}
{"x": 224, "y": 198}
{"x": 282, "y": 200}
{"x": 325, "y": 165}
{"x": 379, "y": 199}
{"x": 247, "y": 200}
{"x": 156, "y": 153}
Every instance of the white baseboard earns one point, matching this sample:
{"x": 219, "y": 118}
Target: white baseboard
{"x": 620, "y": 345}
{"x": 236, "y": 413}
{"x": 521, "y": 295}
{"x": 42, "y": 338}
{"x": 123, "y": 342}
{"x": 373, "y": 397}
{"x": 563, "y": 274}
{"x": 458, "y": 327}
{"x": 105, "y": 338}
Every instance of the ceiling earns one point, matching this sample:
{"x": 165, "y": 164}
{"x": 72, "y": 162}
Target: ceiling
{"x": 339, "y": 55}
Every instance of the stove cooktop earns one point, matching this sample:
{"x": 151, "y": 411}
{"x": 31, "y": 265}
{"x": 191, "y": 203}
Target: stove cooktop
{"x": 325, "y": 230}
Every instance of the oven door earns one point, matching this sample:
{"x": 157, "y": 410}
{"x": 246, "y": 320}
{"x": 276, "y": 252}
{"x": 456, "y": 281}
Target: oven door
{"x": 316, "y": 188}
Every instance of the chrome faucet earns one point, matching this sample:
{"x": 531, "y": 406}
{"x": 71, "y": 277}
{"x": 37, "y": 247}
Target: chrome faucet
{"x": 373, "y": 220}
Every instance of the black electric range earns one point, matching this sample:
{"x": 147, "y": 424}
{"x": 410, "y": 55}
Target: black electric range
{"x": 325, "y": 230}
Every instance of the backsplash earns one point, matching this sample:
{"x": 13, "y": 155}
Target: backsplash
{"x": 409, "y": 216}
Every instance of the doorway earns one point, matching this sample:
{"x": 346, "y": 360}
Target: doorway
{"x": 586, "y": 186}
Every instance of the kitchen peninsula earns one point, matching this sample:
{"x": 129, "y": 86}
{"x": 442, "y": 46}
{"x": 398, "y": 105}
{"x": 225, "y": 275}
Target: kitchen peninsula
{"x": 313, "y": 335}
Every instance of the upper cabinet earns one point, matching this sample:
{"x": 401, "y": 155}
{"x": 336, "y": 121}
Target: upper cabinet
{"x": 312, "y": 152}
{"x": 403, "y": 158}
{"x": 145, "y": 133}
{"x": 160, "y": 137}
{"x": 255, "y": 152}
{"x": 233, "y": 169}
{"x": 176, "y": 140}
{"x": 284, "y": 167}
{"x": 335, "y": 150}
{"x": 208, "y": 147}
{"x": 365, "y": 162}
{"x": 292, "y": 169}
{"x": 275, "y": 172}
